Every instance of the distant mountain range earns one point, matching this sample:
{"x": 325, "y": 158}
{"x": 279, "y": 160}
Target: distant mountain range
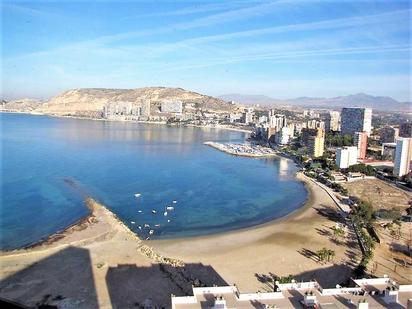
{"x": 354, "y": 100}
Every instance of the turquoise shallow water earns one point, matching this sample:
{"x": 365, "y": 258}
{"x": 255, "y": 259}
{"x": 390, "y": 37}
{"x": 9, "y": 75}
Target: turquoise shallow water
{"x": 112, "y": 161}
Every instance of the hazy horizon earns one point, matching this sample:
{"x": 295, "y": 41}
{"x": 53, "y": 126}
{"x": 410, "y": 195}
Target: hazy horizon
{"x": 217, "y": 96}
{"x": 282, "y": 49}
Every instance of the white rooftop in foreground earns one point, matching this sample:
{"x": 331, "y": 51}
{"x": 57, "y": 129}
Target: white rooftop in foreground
{"x": 367, "y": 293}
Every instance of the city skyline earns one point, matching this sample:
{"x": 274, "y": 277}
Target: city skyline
{"x": 282, "y": 49}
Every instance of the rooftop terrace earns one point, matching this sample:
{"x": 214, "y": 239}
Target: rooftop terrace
{"x": 366, "y": 293}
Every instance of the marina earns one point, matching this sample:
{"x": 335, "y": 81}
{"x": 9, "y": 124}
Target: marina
{"x": 243, "y": 149}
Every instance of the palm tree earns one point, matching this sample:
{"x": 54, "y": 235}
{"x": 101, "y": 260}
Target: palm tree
{"x": 331, "y": 255}
{"x": 325, "y": 254}
{"x": 321, "y": 254}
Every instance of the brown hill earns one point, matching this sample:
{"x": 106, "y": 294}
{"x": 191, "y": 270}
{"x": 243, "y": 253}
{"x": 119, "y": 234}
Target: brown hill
{"x": 90, "y": 101}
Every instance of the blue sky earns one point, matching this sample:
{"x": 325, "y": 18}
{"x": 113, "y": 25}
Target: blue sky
{"x": 283, "y": 48}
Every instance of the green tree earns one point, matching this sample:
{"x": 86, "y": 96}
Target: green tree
{"x": 325, "y": 254}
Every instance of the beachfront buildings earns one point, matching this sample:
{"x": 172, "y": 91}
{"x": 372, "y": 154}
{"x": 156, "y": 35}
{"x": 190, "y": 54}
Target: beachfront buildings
{"x": 277, "y": 121}
{"x": 403, "y": 155}
{"x": 235, "y": 117}
{"x": 388, "y": 134}
{"x": 332, "y": 121}
{"x": 317, "y": 143}
{"x": 346, "y": 156}
{"x": 356, "y": 120}
{"x": 314, "y": 139}
{"x": 361, "y": 142}
{"x": 282, "y": 136}
{"x": 365, "y": 293}
{"x": 127, "y": 110}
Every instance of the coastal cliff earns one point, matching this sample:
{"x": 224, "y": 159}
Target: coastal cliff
{"x": 89, "y": 102}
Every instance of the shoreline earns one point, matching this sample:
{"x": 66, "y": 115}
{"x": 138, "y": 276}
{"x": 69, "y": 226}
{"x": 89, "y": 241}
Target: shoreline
{"x": 112, "y": 225}
{"x": 283, "y": 246}
{"x": 307, "y": 204}
{"x": 217, "y": 127}
{"x": 84, "y": 222}
{"x": 77, "y": 225}
{"x": 113, "y": 260}
{"x": 88, "y": 220}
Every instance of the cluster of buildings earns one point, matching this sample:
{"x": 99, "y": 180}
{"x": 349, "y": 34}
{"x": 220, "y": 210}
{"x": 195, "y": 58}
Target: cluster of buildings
{"x": 356, "y": 122}
{"x": 397, "y": 146}
{"x": 314, "y": 140}
{"x": 363, "y": 294}
{"x": 275, "y": 128}
{"x": 143, "y": 110}
{"x": 126, "y": 110}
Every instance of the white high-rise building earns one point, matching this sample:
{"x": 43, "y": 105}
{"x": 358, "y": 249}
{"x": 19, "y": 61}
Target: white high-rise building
{"x": 356, "y": 120}
{"x": 282, "y": 137}
{"x": 346, "y": 156}
{"x": 403, "y": 155}
{"x": 332, "y": 121}
{"x": 277, "y": 121}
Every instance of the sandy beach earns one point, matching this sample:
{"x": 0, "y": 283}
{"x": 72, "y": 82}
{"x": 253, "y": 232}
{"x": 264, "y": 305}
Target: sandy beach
{"x": 282, "y": 247}
{"x": 104, "y": 259}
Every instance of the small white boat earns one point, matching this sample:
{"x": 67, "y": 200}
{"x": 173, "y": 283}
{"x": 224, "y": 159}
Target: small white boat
{"x": 132, "y": 222}
{"x": 157, "y": 225}
{"x": 168, "y": 220}
{"x": 151, "y": 232}
{"x": 139, "y": 227}
{"x": 137, "y": 195}
{"x": 146, "y": 225}
{"x": 174, "y": 202}
{"x": 139, "y": 211}
{"x": 165, "y": 213}
{"x": 147, "y": 238}
{"x": 170, "y": 208}
{"x": 154, "y": 211}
